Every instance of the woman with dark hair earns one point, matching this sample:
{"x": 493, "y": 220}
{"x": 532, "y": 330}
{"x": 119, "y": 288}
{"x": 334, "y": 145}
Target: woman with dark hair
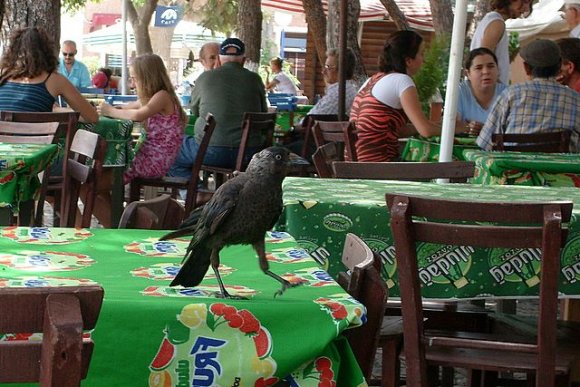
{"x": 491, "y": 32}
{"x": 478, "y": 92}
{"x": 389, "y": 99}
{"x": 29, "y": 80}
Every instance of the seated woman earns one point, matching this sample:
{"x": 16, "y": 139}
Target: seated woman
{"x": 281, "y": 82}
{"x": 29, "y": 80}
{"x": 389, "y": 99}
{"x": 479, "y": 91}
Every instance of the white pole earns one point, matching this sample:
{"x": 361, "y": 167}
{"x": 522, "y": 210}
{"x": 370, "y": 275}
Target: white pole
{"x": 453, "y": 76}
{"x": 124, "y": 76}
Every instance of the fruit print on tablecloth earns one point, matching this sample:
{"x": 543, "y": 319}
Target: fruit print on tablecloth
{"x": 45, "y": 235}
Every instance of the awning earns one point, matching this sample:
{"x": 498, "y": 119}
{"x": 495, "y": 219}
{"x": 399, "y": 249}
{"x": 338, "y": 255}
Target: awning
{"x": 417, "y": 12}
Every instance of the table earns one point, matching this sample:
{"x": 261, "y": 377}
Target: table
{"x": 120, "y": 153}
{"x": 20, "y": 165}
{"x": 150, "y": 333}
{"x": 525, "y": 168}
{"x": 319, "y": 212}
{"x": 427, "y": 149}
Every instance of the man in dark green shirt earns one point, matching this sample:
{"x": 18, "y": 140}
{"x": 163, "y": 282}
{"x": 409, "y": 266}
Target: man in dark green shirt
{"x": 226, "y": 92}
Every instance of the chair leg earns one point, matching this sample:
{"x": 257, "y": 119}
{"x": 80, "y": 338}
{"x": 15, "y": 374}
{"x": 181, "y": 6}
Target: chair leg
{"x": 134, "y": 191}
{"x": 390, "y": 364}
{"x": 447, "y": 376}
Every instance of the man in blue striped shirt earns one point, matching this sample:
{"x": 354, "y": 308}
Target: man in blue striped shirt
{"x": 538, "y": 105}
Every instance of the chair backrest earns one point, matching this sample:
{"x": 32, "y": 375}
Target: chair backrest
{"x": 323, "y": 158}
{"x": 31, "y": 133}
{"x": 364, "y": 283}
{"x": 191, "y": 199}
{"x": 307, "y": 125}
{"x": 160, "y": 213}
{"x": 66, "y": 129}
{"x": 413, "y": 171}
{"x": 340, "y": 132}
{"x": 85, "y": 145}
{"x": 554, "y": 142}
{"x": 478, "y": 224}
{"x": 61, "y": 314}
{"x": 262, "y": 123}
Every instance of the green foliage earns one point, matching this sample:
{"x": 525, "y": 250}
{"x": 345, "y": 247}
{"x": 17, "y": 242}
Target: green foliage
{"x": 513, "y": 45}
{"x": 433, "y": 73}
{"x": 92, "y": 63}
{"x": 220, "y": 16}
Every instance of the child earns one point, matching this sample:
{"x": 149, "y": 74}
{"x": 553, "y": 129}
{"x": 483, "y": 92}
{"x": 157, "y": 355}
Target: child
{"x": 164, "y": 121}
{"x": 159, "y": 108}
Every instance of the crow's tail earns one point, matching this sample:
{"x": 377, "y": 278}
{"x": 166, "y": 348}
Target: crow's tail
{"x": 195, "y": 266}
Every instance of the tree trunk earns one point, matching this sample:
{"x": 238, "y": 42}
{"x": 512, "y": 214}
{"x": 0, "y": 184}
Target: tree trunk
{"x": 481, "y": 8}
{"x": 316, "y": 21}
{"x": 140, "y": 21}
{"x": 396, "y": 15}
{"x": 28, "y": 13}
{"x": 250, "y": 30}
{"x": 352, "y": 26}
{"x": 442, "y": 17}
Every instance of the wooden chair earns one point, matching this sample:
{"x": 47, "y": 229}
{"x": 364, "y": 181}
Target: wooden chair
{"x": 261, "y": 123}
{"x": 364, "y": 283}
{"x": 323, "y": 158}
{"x": 160, "y": 213}
{"x": 61, "y": 314}
{"x": 553, "y": 142}
{"x": 341, "y": 132}
{"x": 414, "y": 171}
{"x": 53, "y": 186}
{"x": 174, "y": 184}
{"x": 85, "y": 145}
{"x": 307, "y": 125}
{"x": 489, "y": 225}
{"x": 31, "y": 133}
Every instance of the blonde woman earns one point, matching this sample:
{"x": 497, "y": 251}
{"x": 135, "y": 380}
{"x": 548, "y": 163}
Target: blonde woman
{"x": 159, "y": 107}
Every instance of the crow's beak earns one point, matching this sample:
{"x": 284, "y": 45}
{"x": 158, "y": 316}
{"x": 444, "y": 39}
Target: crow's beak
{"x": 296, "y": 160}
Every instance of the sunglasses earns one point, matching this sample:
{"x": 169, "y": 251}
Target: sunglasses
{"x": 68, "y": 54}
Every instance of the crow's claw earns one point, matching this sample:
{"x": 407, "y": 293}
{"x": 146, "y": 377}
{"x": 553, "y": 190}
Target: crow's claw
{"x": 286, "y": 285}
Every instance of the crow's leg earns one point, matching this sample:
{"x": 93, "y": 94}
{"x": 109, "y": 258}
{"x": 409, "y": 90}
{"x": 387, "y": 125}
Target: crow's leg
{"x": 260, "y": 248}
{"x": 215, "y": 263}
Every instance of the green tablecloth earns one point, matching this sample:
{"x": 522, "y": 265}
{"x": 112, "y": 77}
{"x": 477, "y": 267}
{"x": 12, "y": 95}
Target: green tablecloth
{"x": 150, "y": 334}
{"x": 427, "y": 149}
{"x": 19, "y": 168}
{"x": 525, "y": 168}
{"x": 287, "y": 119}
{"x": 118, "y": 135}
{"x": 319, "y": 213}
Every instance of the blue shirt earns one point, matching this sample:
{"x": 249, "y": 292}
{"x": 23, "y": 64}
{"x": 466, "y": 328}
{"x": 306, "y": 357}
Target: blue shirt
{"x": 79, "y": 74}
{"x": 536, "y": 106}
{"x": 25, "y": 97}
{"x": 469, "y": 109}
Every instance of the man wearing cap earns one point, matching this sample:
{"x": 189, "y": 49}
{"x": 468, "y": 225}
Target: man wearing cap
{"x": 538, "y": 105}
{"x": 570, "y": 69}
{"x": 227, "y": 92}
{"x": 572, "y": 17}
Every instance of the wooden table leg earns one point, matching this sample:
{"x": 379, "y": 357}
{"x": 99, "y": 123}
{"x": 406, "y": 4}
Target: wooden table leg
{"x": 571, "y": 310}
{"x": 117, "y": 195}
{"x": 5, "y": 216}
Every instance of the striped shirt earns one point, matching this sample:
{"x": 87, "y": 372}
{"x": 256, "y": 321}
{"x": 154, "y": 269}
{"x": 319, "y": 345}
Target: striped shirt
{"x": 25, "y": 97}
{"x": 377, "y": 125}
{"x": 536, "y": 106}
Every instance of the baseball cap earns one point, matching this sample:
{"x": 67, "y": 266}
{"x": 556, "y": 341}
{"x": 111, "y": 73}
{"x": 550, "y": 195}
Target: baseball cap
{"x": 229, "y": 43}
{"x": 541, "y": 53}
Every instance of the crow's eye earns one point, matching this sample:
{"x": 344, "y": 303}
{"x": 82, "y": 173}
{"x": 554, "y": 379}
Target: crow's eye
{"x": 278, "y": 157}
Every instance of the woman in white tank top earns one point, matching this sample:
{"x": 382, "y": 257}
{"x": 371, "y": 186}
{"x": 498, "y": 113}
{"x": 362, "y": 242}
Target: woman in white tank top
{"x": 491, "y": 32}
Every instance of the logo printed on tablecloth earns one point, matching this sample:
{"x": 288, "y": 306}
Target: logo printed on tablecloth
{"x": 45, "y": 235}
{"x": 571, "y": 261}
{"x": 198, "y": 291}
{"x": 344, "y": 310}
{"x": 515, "y": 265}
{"x": 153, "y": 247}
{"x": 168, "y": 271}
{"x": 312, "y": 276}
{"x": 38, "y": 282}
{"x": 45, "y": 260}
{"x": 444, "y": 264}
{"x": 288, "y": 255}
{"x": 196, "y": 349}
{"x": 337, "y": 222}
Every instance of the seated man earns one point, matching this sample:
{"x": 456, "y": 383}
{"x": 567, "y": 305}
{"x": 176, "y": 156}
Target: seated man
{"x": 329, "y": 103}
{"x": 227, "y": 92}
{"x": 538, "y": 105}
{"x": 570, "y": 69}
